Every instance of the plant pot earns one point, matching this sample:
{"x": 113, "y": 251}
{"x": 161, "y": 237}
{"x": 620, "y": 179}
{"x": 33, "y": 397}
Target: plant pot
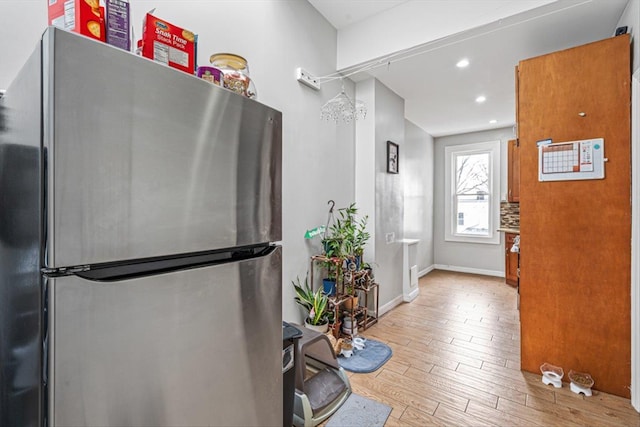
{"x": 351, "y": 303}
{"x": 335, "y": 329}
{"x": 329, "y": 286}
{"x": 346, "y": 322}
{"x": 354, "y": 264}
{"x": 349, "y": 330}
{"x": 318, "y": 328}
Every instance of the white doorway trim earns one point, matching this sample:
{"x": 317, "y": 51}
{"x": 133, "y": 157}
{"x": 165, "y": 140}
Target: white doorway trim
{"x": 635, "y": 240}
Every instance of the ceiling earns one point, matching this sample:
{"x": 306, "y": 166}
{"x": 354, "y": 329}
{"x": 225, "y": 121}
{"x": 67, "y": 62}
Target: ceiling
{"x": 341, "y": 13}
{"x": 439, "y": 97}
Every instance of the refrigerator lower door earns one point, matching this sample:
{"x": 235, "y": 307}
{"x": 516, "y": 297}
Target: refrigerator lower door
{"x": 193, "y": 347}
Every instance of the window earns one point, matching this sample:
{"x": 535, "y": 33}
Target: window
{"x": 472, "y": 174}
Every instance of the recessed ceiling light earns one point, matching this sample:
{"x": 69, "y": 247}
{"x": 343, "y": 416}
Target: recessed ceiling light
{"x": 462, "y": 63}
{"x": 493, "y": 122}
{"x": 481, "y": 99}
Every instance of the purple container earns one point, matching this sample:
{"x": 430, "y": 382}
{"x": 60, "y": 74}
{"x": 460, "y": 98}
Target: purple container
{"x": 210, "y": 74}
{"x": 118, "y": 23}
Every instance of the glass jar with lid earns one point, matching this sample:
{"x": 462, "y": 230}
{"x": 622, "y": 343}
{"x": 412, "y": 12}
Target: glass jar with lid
{"x": 235, "y": 71}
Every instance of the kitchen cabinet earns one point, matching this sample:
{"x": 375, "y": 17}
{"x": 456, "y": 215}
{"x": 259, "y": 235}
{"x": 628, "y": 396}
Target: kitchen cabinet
{"x": 575, "y": 305}
{"x": 510, "y": 261}
{"x": 513, "y": 171}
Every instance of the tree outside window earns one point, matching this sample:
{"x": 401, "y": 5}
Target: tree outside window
{"x": 472, "y": 210}
{"x": 472, "y": 195}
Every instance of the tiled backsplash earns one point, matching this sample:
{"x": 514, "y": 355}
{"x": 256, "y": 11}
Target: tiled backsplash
{"x": 509, "y": 215}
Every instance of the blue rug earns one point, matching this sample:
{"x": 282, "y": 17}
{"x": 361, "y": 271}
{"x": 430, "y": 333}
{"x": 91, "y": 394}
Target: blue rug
{"x": 360, "y": 411}
{"x": 370, "y": 358}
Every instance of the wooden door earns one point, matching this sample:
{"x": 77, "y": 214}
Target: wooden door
{"x": 576, "y": 235}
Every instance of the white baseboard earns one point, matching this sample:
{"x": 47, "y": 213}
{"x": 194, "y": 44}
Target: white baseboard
{"x": 411, "y": 296}
{"x": 390, "y": 305}
{"x": 426, "y": 270}
{"x": 470, "y": 270}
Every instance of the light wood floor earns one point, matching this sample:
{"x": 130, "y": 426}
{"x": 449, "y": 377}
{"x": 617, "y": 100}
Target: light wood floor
{"x": 456, "y": 362}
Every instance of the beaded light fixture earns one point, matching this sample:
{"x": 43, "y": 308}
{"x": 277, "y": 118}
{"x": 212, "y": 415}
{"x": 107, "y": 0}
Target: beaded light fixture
{"x": 342, "y": 109}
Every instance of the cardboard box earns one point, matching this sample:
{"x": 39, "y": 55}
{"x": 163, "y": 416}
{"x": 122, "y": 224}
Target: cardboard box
{"x": 168, "y": 44}
{"x": 85, "y": 17}
{"x": 118, "y": 23}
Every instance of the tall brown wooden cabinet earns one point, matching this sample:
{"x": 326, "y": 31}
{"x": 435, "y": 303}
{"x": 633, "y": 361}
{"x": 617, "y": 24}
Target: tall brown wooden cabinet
{"x": 575, "y": 250}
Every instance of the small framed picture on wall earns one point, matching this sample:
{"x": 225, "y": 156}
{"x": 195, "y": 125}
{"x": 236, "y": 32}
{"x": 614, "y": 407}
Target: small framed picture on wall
{"x": 393, "y": 157}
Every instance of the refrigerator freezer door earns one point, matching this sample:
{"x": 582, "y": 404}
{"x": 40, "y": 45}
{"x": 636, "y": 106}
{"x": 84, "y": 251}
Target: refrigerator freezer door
{"x": 145, "y": 161}
{"x": 195, "y": 347}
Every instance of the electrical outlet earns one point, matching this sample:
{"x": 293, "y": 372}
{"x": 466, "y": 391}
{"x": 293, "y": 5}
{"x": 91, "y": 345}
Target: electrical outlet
{"x": 307, "y": 79}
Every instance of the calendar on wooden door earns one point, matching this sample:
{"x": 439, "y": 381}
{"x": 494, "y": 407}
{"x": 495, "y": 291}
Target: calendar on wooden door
{"x": 573, "y": 160}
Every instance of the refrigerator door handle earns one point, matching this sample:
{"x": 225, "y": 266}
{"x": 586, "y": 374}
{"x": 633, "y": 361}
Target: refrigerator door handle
{"x": 111, "y": 272}
{"x": 64, "y": 271}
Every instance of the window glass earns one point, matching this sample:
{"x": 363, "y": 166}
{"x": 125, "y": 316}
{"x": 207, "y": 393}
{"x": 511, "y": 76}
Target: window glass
{"x": 472, "y": 210}
{"x": 472, "y": 193}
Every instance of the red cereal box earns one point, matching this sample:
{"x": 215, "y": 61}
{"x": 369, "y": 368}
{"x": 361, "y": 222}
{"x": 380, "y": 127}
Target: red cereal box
{"x": 80, "y": 16}
{"x": 168, "y": 44}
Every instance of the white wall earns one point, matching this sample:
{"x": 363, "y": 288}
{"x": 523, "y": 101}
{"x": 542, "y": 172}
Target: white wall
{"x": 366, "y": 163}
{"x": 19, "y": 34}
{"x": 418, "y": 192}
{"x": 631, "y": 18}
{"x": 430, "y": 21}
{"x": 275, "y": 37}
{"x": 386, "y": 195}
{"x": 389, "y": 193}
{"x": 468, "y": 257}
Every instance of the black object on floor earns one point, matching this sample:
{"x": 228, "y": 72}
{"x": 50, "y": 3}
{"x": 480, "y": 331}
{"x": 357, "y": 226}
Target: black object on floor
{"x": 290, "y": 336}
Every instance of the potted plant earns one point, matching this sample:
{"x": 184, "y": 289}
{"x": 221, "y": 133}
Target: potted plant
{"x": 353, "y": 233}
{"x": 334, "y": 324}
{"x": 352, "y": 299}
{"x": 333, "y": 253}
{"x": 316, "y": 305}
{"x": 361, "y": 236}
{"x": 344, "y": 241}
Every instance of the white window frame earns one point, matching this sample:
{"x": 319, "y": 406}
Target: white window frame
{"x": 450, "y": 215}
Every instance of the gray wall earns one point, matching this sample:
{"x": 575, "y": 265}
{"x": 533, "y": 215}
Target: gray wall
{"x": 631, "y": 19}
{"x": 386, "y": 197}
{"x": 389, "y": 193}
{"x": 467, "y": 257}
{"x": 417, "y": 172}
{"x": 275, "y": 37}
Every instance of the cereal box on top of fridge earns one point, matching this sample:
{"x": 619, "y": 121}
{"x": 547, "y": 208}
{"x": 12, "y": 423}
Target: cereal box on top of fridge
{"x": 118, "y": 24}
{"x": 80, "y": 16}
{"x": 168, "y": 44}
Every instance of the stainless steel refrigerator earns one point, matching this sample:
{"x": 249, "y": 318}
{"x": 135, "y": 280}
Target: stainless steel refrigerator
{"x": 140, "y": 269}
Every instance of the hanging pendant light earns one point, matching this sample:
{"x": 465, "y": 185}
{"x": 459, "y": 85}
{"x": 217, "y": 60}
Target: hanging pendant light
{"x": 343, "y": 109}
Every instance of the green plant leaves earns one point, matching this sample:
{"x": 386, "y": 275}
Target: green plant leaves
{"x": 315, "y": 303}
